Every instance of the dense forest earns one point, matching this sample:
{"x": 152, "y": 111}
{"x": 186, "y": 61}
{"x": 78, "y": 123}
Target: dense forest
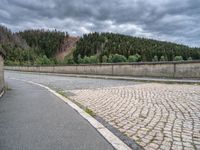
{"x": 15, "y": 47}
{"x": 38, "y": 47}
{"x": 44, "y": 42}
{"x": 31, "y": 46}
{"x": 108, "y": 44}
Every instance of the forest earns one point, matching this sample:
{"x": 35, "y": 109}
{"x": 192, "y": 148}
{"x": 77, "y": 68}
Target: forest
{"x": 105, "y": 45}
{"x": 44, "y": 42}
{"x": 31, "y": 46}
{"x": 38, "y": 47}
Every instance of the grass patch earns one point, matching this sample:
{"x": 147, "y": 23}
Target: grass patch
{"x": 61, "y": 93}
{"x": 86, "y": 109}
{"x": 89, "y": 111}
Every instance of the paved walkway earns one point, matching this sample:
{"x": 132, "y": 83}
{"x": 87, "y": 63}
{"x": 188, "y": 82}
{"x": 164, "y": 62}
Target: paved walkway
{"x": 31, "y": 118}
{"x": 157, "y": 116}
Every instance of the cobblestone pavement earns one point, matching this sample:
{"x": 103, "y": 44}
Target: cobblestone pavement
{"x": 156, "y": 116}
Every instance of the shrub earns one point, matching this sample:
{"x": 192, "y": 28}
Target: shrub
{"x": 43, "y": 61}
{"x": 138, "y": 56}
{"x": 80, "y": 60}
{"x": 118, "y": 58}
{"x": 70, "y": 61}
{"x": 110, "y": 58}
{"x": 155, "y": 58}
{"x": 86, "y": 60}
{"x": 189, "y": 58}
{"x": 104, "y": 59}
{"x": 10, "y": 63}
{"x": 58, "y": 62}
{"x": 67, "y": 60}
{"x": 178, "y": 58}
{"x": 38, "y": 61}
{"x": 162, "y": 58}
{"x": 134, "y": 58}
{"x": 94, "y": 59}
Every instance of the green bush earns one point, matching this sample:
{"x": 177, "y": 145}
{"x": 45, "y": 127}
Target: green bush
{"x": 58, "y": 62}
{"x": 139, "y": 57}
{"x": 155, "y": 58}
{"x": 10, "y": 62}
{"x": 189, "y": 58}
{"x": 94, "y": 59}
{"x": 43, "y": 61}
{"x": 134, "y": 58}
{"x": 162, "y": 58}
{"x": 86, "y": 60}
{"x": 118, "y": 58}
{"x": 178, "y": 58}
{"x": 68, "y": 60}
{"x": 110, "y": 58}
{"x": 104, "y": 59}
{"x": 80, "y": 60}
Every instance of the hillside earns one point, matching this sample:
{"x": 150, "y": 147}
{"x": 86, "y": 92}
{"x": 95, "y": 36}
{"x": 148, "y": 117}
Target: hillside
{"x": 44, "y": 42}
{"x": 33, "y": 46}
{"x": 38, "y": 47}
{"x": 107, "y": 44}
{"x": 7, "y": 37}
{"x": 67, "y": 48}
{"x": 14, "y": 46}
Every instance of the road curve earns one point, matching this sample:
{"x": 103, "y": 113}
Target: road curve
{"x": 31, "y": 118}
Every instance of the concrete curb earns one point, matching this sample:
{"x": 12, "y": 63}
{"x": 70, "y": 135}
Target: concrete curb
{"x": 109, "y": 136}
{"x": 127, "y": 78}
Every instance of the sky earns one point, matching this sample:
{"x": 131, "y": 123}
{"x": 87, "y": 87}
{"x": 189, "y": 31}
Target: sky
{"x": 168, "y": 20}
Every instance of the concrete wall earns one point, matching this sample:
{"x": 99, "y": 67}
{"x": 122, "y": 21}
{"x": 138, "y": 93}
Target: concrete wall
{"x": 1, "y": 73}
{"x": 189, "y": 69}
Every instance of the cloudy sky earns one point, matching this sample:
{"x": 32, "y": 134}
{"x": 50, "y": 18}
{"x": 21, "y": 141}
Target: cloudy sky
{"x": 170, "y": 20}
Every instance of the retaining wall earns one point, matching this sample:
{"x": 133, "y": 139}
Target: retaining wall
{"x": 187, "y": 69}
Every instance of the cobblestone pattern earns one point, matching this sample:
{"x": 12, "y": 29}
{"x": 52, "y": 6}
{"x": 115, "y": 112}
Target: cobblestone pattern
{"x": 156, "y": 116}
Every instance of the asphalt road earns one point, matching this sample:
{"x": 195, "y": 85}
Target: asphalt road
{"x": 68, "y": 83}
{"x": 31, "y": 118}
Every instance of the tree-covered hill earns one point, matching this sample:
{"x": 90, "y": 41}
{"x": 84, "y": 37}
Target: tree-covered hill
{"x": 44, "y": 42}
{"x": 106, "y": 44}
{"x": 15, "y": 47}
{"x": 31, "y": 46}
{"x": 38, "y": 47}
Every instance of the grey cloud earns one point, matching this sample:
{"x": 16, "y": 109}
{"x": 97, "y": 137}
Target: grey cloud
{"x": 171, "y": 20}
